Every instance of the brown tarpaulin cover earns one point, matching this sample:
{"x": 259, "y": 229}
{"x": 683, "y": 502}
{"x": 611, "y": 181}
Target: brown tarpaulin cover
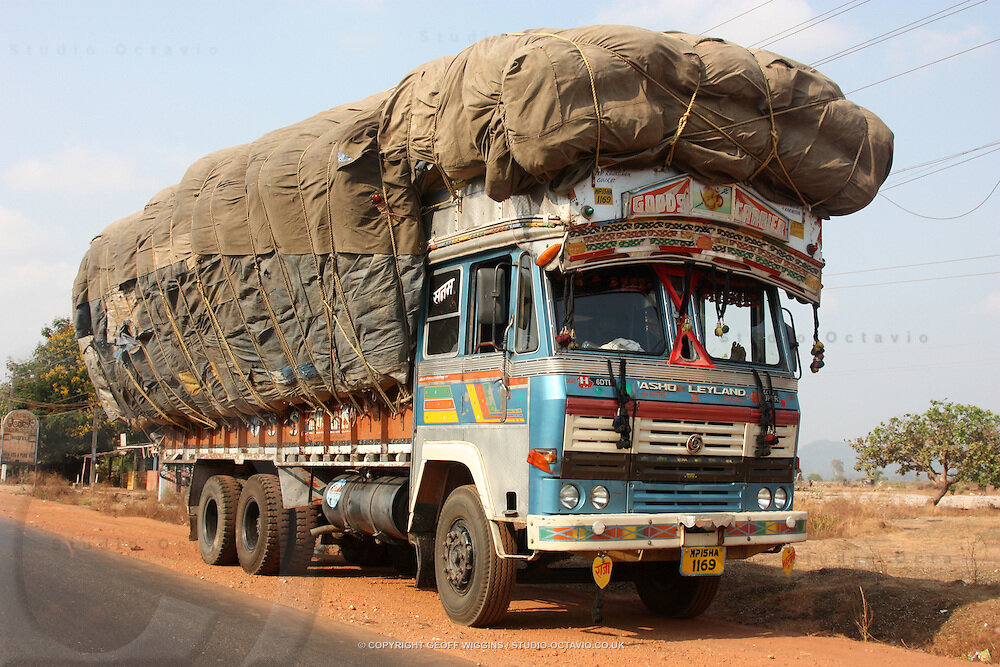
{"x": 269, "y": 276}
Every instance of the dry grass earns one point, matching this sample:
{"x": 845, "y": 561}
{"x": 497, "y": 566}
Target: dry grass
{"x": 109, "y": 500}
{"x": 843, "y": 516}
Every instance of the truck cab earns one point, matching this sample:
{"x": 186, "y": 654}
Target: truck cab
{"x": 614, "y": 369}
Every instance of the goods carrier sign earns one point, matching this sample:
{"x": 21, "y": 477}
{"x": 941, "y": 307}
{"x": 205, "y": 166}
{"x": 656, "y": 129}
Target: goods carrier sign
{"x": 19, "y": 437}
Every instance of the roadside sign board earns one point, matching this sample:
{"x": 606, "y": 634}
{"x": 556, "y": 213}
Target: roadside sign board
{"x": 19, "y": 437}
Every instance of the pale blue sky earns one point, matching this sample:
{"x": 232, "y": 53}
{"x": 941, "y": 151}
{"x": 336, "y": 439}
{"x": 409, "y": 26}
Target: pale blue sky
{"x": 104, "y": 103}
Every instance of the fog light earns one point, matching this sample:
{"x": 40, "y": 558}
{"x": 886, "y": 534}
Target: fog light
{"x": 780, "y": 498}
{"x": 763, "y": 498}
{"x": 599, "y": 497}
{"x": 569, "y": 496}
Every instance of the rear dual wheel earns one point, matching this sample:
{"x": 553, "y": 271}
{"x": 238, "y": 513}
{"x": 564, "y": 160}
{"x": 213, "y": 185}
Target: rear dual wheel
{"x": 217, "y": 520}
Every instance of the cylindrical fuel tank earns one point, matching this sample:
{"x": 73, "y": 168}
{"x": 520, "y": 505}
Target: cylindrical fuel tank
{"x": 370, "y": 506}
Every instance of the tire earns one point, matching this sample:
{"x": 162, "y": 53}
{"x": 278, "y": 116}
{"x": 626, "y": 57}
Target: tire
{"x": 217, "y": 520}
{"x": 666, "y": 592}
{"x": 299, "y": 543}
{"x": 475, "y": 585}
{"x": 361, "y": 550}
{"x": 261, "y": 523}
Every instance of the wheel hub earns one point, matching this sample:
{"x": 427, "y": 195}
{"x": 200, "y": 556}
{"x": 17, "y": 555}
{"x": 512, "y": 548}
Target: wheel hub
{"x": 459, "y": 556}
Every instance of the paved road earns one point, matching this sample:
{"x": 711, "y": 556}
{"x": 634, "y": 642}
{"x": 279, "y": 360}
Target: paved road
{"x": 60, "y": 603}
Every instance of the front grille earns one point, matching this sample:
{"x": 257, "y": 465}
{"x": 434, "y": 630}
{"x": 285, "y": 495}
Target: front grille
{"x": 652, "y": 497}
{"x": 590, "y": 433}
{"x": 655, "y": 468}
{"x": 665, "y": 436}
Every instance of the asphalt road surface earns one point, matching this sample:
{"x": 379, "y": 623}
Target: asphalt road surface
{"x": 63, "y": 604}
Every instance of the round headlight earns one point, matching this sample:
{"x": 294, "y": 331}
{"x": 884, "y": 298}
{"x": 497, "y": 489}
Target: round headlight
{"x": 569, "y": 496}
{"x": 780, "y": 498}
{"x": 764, "y": 498}
{"x": 599, "y": 497}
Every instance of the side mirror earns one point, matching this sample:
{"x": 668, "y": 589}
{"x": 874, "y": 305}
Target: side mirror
{"x": 491, "y": 295}
{"x": 793, "y": 341}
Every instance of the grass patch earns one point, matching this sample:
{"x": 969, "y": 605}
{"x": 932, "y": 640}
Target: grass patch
{"x": 843, "y": 516}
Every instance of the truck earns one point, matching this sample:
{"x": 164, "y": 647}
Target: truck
{"x": 610, "y": 372}
{"x": 523, "y": 311}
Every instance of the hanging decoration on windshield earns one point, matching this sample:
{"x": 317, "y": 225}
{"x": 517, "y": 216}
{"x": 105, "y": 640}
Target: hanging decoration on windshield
{"x": 687, "y": 349}
{"x": 721, "y": 301}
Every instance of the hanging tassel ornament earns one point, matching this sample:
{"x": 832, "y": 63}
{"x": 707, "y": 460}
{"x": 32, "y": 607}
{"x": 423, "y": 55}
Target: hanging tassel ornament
{"x": 818, "y": 349}
{"x": 721, "y": 329}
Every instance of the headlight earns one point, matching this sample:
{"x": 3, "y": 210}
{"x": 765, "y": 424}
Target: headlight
{"x": 763, "y": 498}
{"x": 569, "y": 496}
{"x": 599, "y": 497}
{"x": 780, "y": 498}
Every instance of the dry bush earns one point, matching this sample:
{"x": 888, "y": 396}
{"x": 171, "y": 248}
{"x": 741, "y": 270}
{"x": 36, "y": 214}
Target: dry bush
{"x": 51, "y": 486}
{"x": 846, "y": 516}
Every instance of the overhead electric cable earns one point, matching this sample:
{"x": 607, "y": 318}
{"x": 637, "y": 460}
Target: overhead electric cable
{"x": 896, "y": 32}
{"x": 740, "y": 15}
{"x": 910, "y": 266}
{"x": 935, "y": 171}
{"x": 949, "y": 217}
{"x": 896, "y": 172}
{"x": 916, "y": 280}
{"x": 934, "y": 62}
{"x": 814, "y": 21}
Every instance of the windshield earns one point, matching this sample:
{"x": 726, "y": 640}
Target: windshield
{"x": 617, "y": 308}
{"x": 626, "y": 309}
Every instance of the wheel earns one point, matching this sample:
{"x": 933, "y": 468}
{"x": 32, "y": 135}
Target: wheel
{"x": 261, "y": 522}
{"x": 217, "y": 520}
{"x": 299, "y": 543}
{"x": 403, "y": 559}
{"x": 474, "y": 583}
{"x": 361, "y": 550}
{"x": 666, "y": 592}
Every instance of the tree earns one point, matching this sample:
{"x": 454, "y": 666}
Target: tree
{"x": 815, "y": 477}
{"x": 838, "y": 469}
{"x": 950, "y": 443}
{"x": 54, "y": 384}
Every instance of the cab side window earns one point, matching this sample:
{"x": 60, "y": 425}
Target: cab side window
{"x": 491, "y": 309}
{"x": 443, "y": 315}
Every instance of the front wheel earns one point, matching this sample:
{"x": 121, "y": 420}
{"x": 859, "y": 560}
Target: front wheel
{"x": 474, "y": 583}
{"x": 666, "y": 592}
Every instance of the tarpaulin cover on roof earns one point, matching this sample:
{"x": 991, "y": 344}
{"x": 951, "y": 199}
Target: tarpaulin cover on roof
{"x": 270, "y": 276}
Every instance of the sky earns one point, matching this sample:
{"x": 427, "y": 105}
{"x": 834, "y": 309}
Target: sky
{"x": 105, "y": 103}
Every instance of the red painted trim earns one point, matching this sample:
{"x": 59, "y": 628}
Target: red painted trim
{"x": 603, "y": 407}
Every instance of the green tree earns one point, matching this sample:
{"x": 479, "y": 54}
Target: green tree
{"x": 950, "y": 443}
{"x": 53, "y": 383}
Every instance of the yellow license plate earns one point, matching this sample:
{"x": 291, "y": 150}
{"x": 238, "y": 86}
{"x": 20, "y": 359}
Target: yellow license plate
{"x": 702, "y": 561}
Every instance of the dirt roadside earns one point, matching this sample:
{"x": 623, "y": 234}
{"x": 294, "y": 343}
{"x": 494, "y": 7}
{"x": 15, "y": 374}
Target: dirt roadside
{"x": 542, "y": 627}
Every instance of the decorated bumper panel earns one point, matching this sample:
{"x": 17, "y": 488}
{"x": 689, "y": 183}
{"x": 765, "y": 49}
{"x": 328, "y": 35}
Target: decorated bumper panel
{"x": 663, "y": 531}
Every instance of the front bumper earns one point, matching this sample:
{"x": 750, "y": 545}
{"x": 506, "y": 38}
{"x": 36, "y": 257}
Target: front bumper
{"x": 601, "y": 532}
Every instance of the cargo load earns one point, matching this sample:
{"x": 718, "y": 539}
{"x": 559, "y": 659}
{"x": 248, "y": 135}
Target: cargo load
{"x": 289, "y": 271}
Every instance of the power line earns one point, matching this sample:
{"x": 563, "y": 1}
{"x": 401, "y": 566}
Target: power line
{"x": 896, "y": 172}
{"x": 931, "y": 173}
{"x": 916, "y": 280}
{"x": 950, "y": 217}
{"x": 896, "y": 32}
{"x": 740, "y": 15}
{"x": 809, "y": 20}
{"x": 910, "y": 266}
{"x": 935, "y": 62}
{"x": 768, "y": 41}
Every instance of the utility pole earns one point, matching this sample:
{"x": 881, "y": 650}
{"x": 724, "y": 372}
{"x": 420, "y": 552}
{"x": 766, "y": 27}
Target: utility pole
{"x": 93, "y": 447}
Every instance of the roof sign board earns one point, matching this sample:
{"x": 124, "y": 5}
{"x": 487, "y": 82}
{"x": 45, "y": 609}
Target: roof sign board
{"x": 19, "y": 437}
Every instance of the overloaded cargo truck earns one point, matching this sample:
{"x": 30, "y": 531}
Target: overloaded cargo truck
{"x": 526, "y": 307}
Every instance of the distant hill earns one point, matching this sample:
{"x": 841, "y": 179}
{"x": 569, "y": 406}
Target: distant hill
{"x": 816, "y": 457}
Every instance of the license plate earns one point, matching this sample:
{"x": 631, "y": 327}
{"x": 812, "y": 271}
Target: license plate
{"x": 702, "y": 561}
